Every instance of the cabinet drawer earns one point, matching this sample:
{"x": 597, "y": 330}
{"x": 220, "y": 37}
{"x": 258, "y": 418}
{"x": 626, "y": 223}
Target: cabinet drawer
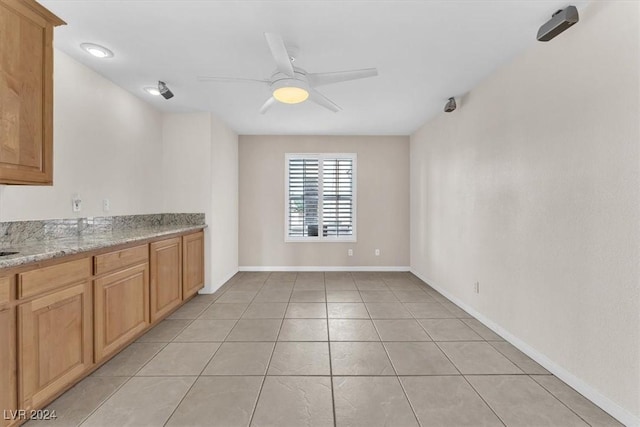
{"x": 119, "y": 259}
{"x": 45, "y": 279}
{"x": 5, "y": 290}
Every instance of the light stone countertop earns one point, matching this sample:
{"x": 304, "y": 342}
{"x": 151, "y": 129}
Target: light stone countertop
{"x": 41, "y": 250}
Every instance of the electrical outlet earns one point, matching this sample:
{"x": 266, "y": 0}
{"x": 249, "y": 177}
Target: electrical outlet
{"x": 350, "y": 252}
{"x": 106, "y": 205}
{"x": 377, "y": 252}
{"x": 476, "y": 287}
{"x": 76, "y": 203}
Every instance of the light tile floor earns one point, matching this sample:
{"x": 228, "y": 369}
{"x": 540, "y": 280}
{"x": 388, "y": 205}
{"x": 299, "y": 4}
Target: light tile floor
{"x": 323, "y": 349}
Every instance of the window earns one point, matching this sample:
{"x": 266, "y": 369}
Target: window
{"x": 320, "y": 197}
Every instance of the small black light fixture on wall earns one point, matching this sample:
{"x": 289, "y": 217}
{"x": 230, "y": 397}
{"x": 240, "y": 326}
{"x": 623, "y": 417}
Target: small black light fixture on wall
{"x": 559, "y": 22}
{"x": 164, "y": 90}
{"x": 450, "y": 105}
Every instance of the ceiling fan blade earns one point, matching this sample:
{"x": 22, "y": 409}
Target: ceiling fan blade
{"x": 319, "y": 79}
{"x": 322, "y": 100}
{"x": 280, "y": 54}
{"x": 268, "y": 104}
{"x": 229, "y": 79}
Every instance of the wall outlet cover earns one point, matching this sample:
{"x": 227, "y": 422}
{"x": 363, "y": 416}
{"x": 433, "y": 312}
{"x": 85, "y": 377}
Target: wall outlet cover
{"x": 76, "y": 203}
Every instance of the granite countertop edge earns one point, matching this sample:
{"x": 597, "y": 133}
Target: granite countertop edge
{"x": 42, "y": 250}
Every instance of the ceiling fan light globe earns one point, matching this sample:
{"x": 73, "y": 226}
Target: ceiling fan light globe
{"x": 290, "y": 94}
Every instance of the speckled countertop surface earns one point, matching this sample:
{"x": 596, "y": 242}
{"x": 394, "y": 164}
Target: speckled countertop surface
{"x": 41, "y": 250}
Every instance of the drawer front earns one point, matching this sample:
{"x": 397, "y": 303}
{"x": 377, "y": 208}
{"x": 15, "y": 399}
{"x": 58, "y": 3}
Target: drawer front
{"x": 5, "y": 290}
{"x": 45, "y": 279}
{"x": 119, "y": 259}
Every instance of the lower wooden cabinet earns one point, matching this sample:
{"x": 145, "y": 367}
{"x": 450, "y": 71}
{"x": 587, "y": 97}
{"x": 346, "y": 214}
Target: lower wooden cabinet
{"x": 165, "y": 288}
{"x": 59, "y": 319}
{"x": 192, "y": 263}
{"x": 8, "y": 389}
{"x": 121, "y": 308}
{"x": 55, "y": 341}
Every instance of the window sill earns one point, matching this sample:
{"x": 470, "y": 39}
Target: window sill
{"x": 320, "y": 240}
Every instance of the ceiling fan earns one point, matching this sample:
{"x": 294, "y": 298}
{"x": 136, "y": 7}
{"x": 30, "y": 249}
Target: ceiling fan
{"x": 292, "y": 85}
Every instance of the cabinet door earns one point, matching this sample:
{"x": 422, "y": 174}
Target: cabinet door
{"x": 26, "y": 93}
{"x": 8, "y": 388}
{"x": 121, "y": 308}
{"x": 55, "y": 341}
{"x": 166, "y": 276}
{"x": 192, "y": 263}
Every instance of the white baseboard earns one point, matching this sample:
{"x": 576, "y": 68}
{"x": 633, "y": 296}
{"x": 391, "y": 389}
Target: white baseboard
{"x": 211, "y": 289}
{"x": 609, "y": 406}
{"x": 318, "y": 268}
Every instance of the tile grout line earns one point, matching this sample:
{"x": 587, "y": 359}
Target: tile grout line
{"x": 264, "y": 377}
{"x": 203, "y": 367}
{"x": 103, "y": 402}
{"x": 423, "y": 288}
{"x": 470, "y": 385}
{"x": 165, "y": 344}
{"x": 121, "y": 385}
{"x": 196, "y": 377}
{"x": 467, "y": 381}
{"x": 326, "y": 310}
{"x": 210, "y": 358}
{"x": 393, "y": 366}
{"x": 558, "y": 399}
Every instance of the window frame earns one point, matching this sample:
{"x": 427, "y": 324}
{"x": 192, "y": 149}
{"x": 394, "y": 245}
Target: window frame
{"x": 354, "y": 198}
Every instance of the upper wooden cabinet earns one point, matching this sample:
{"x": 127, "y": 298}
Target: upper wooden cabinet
{"x": 26, "y": 92}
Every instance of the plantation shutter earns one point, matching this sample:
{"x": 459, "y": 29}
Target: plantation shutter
{"x": 337, "y": 197}
{"x": 303, "y": 197}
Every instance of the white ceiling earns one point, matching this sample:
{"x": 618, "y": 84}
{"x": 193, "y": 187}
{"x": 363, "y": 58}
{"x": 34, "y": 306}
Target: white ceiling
{"x": 425, "y": 51}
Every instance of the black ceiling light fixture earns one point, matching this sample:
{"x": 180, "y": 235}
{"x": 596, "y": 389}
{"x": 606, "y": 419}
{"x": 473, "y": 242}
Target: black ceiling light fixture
{"x": 559, "y": 22}
{"x": 164, "y": 90}
{"x": 450, "y": 105}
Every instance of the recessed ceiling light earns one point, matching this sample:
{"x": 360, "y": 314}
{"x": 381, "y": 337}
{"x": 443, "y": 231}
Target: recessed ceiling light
{"x": 97, "y": 50}
{"x": 151, "y": 90}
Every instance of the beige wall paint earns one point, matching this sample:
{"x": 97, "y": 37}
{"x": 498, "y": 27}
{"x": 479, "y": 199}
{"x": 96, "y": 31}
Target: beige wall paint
{"x": 201, "y": 175}
{"x": 532, "y": 188}
{"x": 382, "y": 197}
{"x": 107, "y": 144}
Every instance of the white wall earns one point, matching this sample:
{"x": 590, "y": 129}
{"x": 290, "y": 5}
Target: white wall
{"x": 223, "y": 222}
{"x": 382, "y": 203}
{"x": 200, "y": 174}
{"x": 110, "y": 144}
{"x": 107, "y": 144}
{"x": 532, "y": 188}
{"x": 186, "y": 165}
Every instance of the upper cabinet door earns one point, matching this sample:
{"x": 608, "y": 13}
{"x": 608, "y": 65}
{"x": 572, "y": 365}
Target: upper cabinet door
{"x": 26, "y": 92}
